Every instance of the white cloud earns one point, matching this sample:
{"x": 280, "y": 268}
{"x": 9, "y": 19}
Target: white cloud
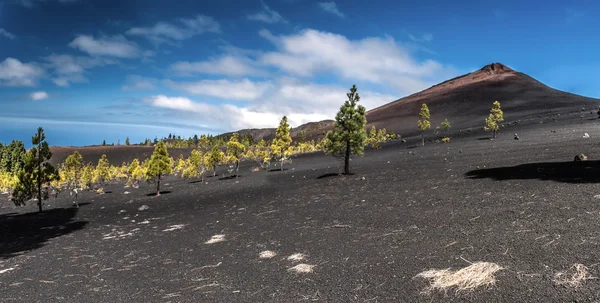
{"x": 244, "y": 90}
{"x": 37, "y": 96}
{"x": 72, "y": 69}
{"x": 267, "y": 15}
{"x": 164, "y": 32}
{"x": 376, "y": 60}
{"x": 229, "y": 65}
{"x": 331, "y": 7}
{"x": 301, "y": 102}
{"x": 15, "y": 73}
{"x": 137, "y": 82}
{"x": 6, "y": 34}
{"x": 116, "y": 46}
{"x": 180, "y": 103}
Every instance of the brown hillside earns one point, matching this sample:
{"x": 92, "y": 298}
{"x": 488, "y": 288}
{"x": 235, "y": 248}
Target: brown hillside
{"x": 466, "y": 100}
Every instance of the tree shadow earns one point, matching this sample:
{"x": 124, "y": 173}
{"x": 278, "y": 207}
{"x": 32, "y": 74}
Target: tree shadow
{"x": 567, "y": 172}
{"x": 277, "y": 169}
{"x": 230, "y": 177}
{"x": 328, "y": 175}
{"x": 161, "y": 192}
{"x": 30, "y": 231}
{"x": 484, "y": 139}
{"x": 196, "y": 181}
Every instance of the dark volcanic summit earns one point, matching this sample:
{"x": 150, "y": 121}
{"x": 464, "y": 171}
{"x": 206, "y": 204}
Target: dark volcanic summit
{"x": 465, "y": 101}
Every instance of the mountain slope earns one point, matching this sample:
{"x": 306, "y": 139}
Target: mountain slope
{"x": 466, "y": 100}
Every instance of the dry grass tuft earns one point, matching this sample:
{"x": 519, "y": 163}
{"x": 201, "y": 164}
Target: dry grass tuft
{"x": 579, "y": 275}
{"x": 466, "y": 279}
{"x": 296, "y": 257}
{"x": 267, "y": 254}
{"x": 302, "y": 268}
{"x": 215, "y": 239}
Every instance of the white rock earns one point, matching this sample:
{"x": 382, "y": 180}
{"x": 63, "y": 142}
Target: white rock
{"x": 144, "y": 207}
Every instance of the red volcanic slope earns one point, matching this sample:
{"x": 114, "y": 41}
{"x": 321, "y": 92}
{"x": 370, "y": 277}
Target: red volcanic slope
{"x": 466, "y": 100}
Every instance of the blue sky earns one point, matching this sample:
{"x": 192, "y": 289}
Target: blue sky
{"x": 89, "y": 70}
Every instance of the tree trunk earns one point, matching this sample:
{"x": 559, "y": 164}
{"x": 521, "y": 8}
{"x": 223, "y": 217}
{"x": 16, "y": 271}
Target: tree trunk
{"x": 494, "y": 134}
{"x": 423, "y": 138}
{"x": 158, "y": 186}
{"x": 39, "y": 178}
{"x": 347, "y": 158}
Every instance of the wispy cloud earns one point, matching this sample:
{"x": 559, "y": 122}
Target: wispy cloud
{"x": 243, "y": 90}
{"x": 426, "y": 37}
{"x": 332, "y": 8}
{"x": 115, "y": 46}
{"x": 229, "y": 65}
{"x": 376, "y": 60}
{"x": 267, "y": 15}
{"x": 6, "y": 34}
{"x": 69, "y": 69}
{"x": 15, "y": 73}
{"x": 164, "y": 32}
{"x": 38, "y": 96}
{"x": 139, "y": 83}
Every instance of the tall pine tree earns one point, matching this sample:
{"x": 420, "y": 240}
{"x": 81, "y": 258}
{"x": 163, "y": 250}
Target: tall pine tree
{"x": 36, "y": 171}
{"x": 349, "y": 135}
{"x": 496, "y": 116}
{"x": 159, "y": 165}
{"x": 424, "y": 121}
{"x": 280, "y": 148}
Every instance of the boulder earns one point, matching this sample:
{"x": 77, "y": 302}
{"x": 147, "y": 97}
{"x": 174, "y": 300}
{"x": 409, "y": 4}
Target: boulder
{"x": 586, "y": 135}
{"x": 580, "y": 157}
{"x": 516, "y": 136}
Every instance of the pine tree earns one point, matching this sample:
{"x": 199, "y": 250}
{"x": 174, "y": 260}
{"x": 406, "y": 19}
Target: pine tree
{"x": 127, "y": 141}
{"x": 424, "y": 121}
{"x": 496, "y": 116}
{"x": 102, "y": 171}
{"x": 103, "y": 142}
{"x": 349, "y": 135}
{"x": 73, "y": 167}
{"x": 159, "y": 165}
{"x": 280, "y": 148}
{"x": 36, "y": 171}
{"x": 235, "y": 150}
{"x": 445, "y": 125}
{"x": 213, "y": 158}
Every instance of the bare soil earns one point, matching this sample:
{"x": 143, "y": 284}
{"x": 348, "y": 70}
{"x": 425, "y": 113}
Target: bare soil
{"x": 522, "y": 204}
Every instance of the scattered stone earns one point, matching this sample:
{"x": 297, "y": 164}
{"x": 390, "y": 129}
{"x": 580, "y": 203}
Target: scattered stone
{"x": 126, "y": 193}
{"x": 122, "y": 211}
{"x": 580, "y": 157}
{"x": 586, "y": 135}
{"x": 362, "y": 178}
{"x": 403, "y": 141}
{"x": 144, "y": 207}
{"x": 516, "y": 136}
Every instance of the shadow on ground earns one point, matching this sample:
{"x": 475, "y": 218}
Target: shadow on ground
{"x": 162, "y": 192}
{"x": 29, "y": 231}
{"x": 568, "y": 172}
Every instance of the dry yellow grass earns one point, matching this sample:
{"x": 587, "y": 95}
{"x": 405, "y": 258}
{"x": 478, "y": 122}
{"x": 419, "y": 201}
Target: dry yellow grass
{"x": 215, "y": 239}
{"x": 267, "y": 254}
{"x": 476, "y": 275}
{"x": 302, "y": 268}
{"x": 296, "y": 257}
{"x": 579, "y": 274}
